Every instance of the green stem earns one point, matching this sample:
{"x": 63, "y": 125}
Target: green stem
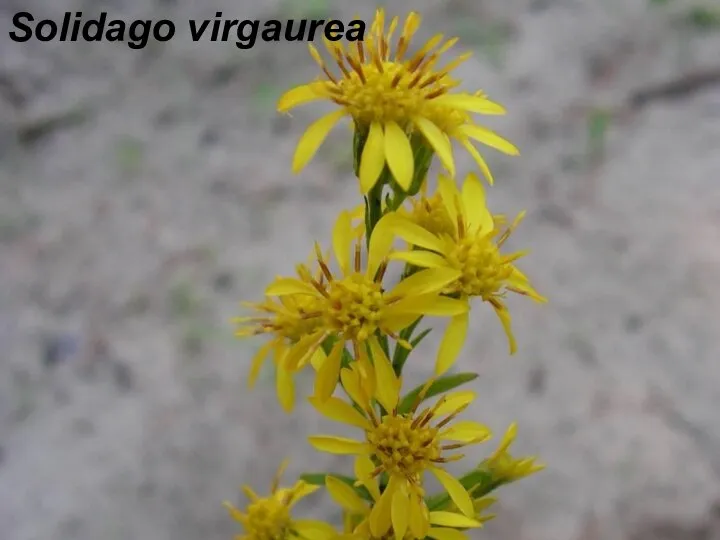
{"x": 398, "y": 358}
{"x": 373, "y": 209}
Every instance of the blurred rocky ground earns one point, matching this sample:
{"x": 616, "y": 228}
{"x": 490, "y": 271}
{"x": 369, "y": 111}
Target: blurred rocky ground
{"x": 143, "y": 194}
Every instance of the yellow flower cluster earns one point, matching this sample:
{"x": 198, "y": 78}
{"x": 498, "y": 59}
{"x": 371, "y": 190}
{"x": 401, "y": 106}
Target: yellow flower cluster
{"x": 342, "y": 316}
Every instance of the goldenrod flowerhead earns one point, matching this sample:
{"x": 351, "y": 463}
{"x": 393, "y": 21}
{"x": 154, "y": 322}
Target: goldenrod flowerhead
{"x": 503, "y": 467}
{"x": 464, "y": 236}
{"x": 392, "y": 95}
{"x": 443, "y": 524}
{"x": 406, "y": 445}
{"x": 286, "y": 319}
{"x": 269, "y": 518}
{"x": 349, "y": 306}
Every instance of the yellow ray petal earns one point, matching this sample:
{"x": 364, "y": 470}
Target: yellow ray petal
{"x": 381, "y": 243}
{"x": 506, "y": 321}
{"x": 428, "y": 304}
{"x": 466, "y": 431}
{"x": 455, "y": 489}
{"x": 452, "y": 401}
{"x": 476, "y": 210}
{"x": 470, "y": 103}
{"x": 481, "y": 163}
{"x": 317, "y": 359}
{"x": 424, "y": 282}
{"x": 399, "y": 513}
{"x": 299, "y": 96}
{"x": 490, "y": 138}
{"x": 364, "y": 468}
{"x": 342, "y": 240}
{"x": 439, "y": 533}
{"x": 438, "y": 141}
{"x": 340, "y": 411}
{"x": 257, "y": 363}
{"x": 399, "y": 155}
{"x": 452, "y": 343}
{"x": 419, "y": 517}
{"x": 286, "y": 286}
{"x": 387, "y": 388}
{"x": 423, "y": 259}
{"x": 345, "y": 496}
{"x": 372, "y": 161}
{"x": 299, "y": 351}
{"x": 380, "y": 516}
{"x": 328, "y": 375}
{"x": 337, "y": 445}
{"x": 414, "y": 234}
{"x": 313, "y": 137}
{"x": 285, "y": 388}
{"x": 310, "y": 528}
{"x": 351, "y": 384}
{"x": 450, "y": 196}
{"x": 452, "y": 519}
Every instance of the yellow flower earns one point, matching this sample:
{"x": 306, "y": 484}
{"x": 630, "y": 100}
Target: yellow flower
{"x": 503, "y": 467}
{"x": 287, "y": 320}
{"x": 269, "y": 518}
{"x": 392, "y": 95}
{"x": 349, "y": 306}
{"x": 405, "y": 446}
{"x": 443, "y": 524}
{"x": 456, "y": 231}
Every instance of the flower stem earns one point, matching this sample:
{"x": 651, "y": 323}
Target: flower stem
{"x": 373, "y": 209}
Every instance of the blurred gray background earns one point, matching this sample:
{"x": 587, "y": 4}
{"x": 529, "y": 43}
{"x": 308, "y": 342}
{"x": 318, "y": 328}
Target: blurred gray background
{"x": 143, "y": 194}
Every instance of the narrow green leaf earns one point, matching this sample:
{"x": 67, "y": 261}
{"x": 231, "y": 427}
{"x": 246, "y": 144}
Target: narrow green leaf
{"x": 440, "y": 386}
{"x": 420, "y": 337}
{"x": 400, "y": 354}
{"x": 318, "y": 479}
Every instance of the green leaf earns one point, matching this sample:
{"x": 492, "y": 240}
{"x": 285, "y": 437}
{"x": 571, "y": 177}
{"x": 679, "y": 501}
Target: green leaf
{"x": 318, "y": 479}
{"x": 400, "y": 354}
{"x": 704, "y": 18}
{"x": 440, "y": 386}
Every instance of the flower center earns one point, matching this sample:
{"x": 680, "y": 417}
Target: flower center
{"x": 267, "y": 519}
{"x": 394, "y": 94}
{"x": 404, "y": 448}
{"x": 432, "y": 215}
{"x": 355, "y": 306}
{"x": 294, "y": 322}
{"x": 482, "y": 267}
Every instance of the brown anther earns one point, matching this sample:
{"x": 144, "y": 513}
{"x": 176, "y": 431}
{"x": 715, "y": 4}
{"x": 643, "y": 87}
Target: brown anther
{"x": 429, "y": 81}
{"x": 435, "y": 93}
{"x": 396, "y": 78}
{"x": 325, "y": 270}
{"x": 378, "y": 62}
{"x": 448, "y": 459}
{"x": 416, "y": 79}
{"x": 453, "y": 446}
{"x": 357, "y": 68}
{"x": 319, "y": 288}
{"x": 360, "y": 51}
{"x": 328, "y": 74}
{"x": 358, "y": 260}
{"x": 415, "y": 62}
{"x": 381, "y": 272}
{"x": 452, "y": 417}
{"x": 401, "y": 48}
